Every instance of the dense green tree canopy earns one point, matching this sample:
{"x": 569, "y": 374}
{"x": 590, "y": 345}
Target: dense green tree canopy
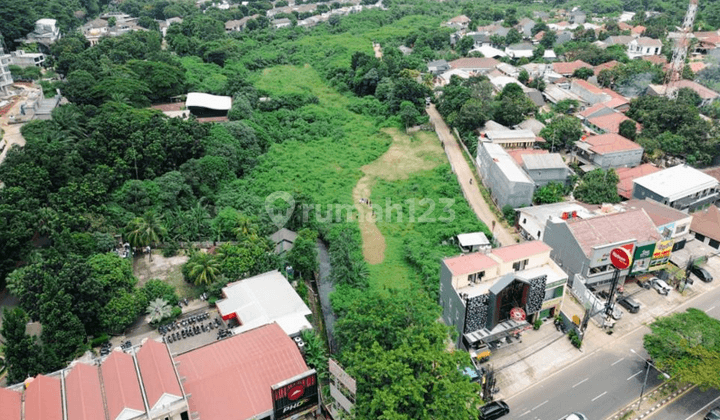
{"x": 687, "y": 347}
{"x": 598, "y": 186}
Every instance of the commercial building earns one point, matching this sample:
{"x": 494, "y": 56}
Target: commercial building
{"x": 260, "y": 374}
{"x": 546, "y": 168}
{"x": 264, "y": 299}
{"x": 507, "y": 183}
{"x": 582, "y": 246}
{"x": 680, "y": 187}
{"x": 488, "y": 297}
{"x": 607, "y": 151}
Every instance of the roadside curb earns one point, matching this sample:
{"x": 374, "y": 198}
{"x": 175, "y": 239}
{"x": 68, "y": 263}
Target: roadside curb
{"x": 584, "y": 356}
{"x": 649, "y": 411}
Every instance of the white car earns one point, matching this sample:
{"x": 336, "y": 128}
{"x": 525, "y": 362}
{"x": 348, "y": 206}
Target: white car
{"x": 661, "y": 286}
{"x": 575, "y": 416}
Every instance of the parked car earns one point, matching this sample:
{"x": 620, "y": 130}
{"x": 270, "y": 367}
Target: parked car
{"x": 661, "y": 286}
{"x": 575, "y": 416}
{"x": 494, "y": 410}
{"x": 713, "y": 414}
{"x": 645, "y": 284}
{"x": 617, "y": 313}
{"x": 701, "y": 273}
{"x": 630, "y": 304}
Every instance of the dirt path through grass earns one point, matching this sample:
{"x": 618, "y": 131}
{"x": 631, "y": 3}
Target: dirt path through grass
{"x": 405, "y": 156}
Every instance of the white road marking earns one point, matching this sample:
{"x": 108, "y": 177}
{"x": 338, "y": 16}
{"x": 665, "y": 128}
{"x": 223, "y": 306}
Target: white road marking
{"x": 580, "y": 382}
{"x": 541, "y": 404}
{"x": 599, "y": 396}
{"x": 618, "y": 361}
{"x": 634, "y": 375}
{"x": 710, "y": 309}
{"x": 527, "y": 412}
{"x": 706, "y": 406}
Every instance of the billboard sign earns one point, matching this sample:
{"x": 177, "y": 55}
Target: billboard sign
{"x": 295, "y": 395}
{"x": 621, "y": 258}
{"x": 641, "y": 259}
{"x": 663, "y": 249}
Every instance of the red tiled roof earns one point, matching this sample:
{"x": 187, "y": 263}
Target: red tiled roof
{"x": 517, "y": 154}
{"x": 707, "y": 222}
{"x": 628, "y": 175}
{"x": 122, "y": 389}
{"x": 610, "y": 143}
{"x": 82, "y": 392}
{"x": 593, "y": 109}
{"x": 519, "y": 251}
{"x": 701, "y": 90}
{"x": 469, "y": 263}
{"x": 538, "y": 36}
{"x": 156, "y": 369}
{"x": 569, "y": 68}
{"x": 613, "y": 228}
{"x": 474, "y": 63}
{"x": 638, "y": 29}
{"x": 713, "y": 172}
{"x": 10, "y": 404}
{"x": 605, "y": 66}
{"x": 616, "y": 102}
{"x": 231, "y": 379}
{"x": 655, "y": 59}
{"x": 624, "y": 26}
{"x": 43, "y": 400}
{"x": 610, "y": 123}
{"x": 696, "y": 66}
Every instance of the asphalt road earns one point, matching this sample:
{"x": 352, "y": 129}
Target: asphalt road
{"x": 691, "y": 406}
{"x": 604, "y": 381}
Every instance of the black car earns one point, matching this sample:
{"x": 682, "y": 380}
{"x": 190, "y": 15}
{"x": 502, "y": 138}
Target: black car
{"x": 494, "y": 410}
{"x": 630, "y": 304}
{"x": 701, "y": 273}
{"x": 714, "y": 414}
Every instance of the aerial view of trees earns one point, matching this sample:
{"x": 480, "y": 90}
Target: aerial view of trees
{"x": 598, "y": 186}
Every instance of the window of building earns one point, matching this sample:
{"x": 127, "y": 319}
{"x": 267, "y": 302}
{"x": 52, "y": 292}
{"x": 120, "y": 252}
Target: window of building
{"x": 520, "y": 265}
{"x": 538, "y": 235}
{"x": 700, "y": 237}
{"x": 600, "y": 269}
{"x": 715, "y": 244}
{"x": 476, "y": 277}
{"x": 681, "y": 229}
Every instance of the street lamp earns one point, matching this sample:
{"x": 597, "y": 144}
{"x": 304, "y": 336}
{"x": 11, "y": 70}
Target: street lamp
{"x": 647, "y": 371}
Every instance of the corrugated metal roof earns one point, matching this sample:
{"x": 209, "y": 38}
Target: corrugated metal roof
{"x": 158, "y": 375}
{"x": 10, "y": 404}
{"x": 543, "y": 161}
{"x": 205, "y": 100}
{"x": 43, "y": 400}
{"x": 231, "y": 378}
{"x": 122, "y": 389}
{"x": 614, "y": 228}
{"x": 82, "y": 393}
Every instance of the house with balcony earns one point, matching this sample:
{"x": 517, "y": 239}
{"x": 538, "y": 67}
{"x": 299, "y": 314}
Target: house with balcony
{"x": 46, "y": 32}
{"x": 6, "y": 79}
{"x": 21, "y": 58}
{"x": 643, "y": 46}
{"x": 607, "y": 151}
{"x": 489, "y": 297}
{"x": 680, "y": 187}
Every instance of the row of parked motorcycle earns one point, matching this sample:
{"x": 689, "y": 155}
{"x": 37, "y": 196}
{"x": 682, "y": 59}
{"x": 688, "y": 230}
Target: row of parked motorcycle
{"x": 185, "y": 322}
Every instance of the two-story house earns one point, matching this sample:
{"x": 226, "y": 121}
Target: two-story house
{"x": 487, "y": 297}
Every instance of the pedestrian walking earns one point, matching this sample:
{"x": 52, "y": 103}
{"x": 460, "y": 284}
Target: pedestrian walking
{"x": 470, "y": 181}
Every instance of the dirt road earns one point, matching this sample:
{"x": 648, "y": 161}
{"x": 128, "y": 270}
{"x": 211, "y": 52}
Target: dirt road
{"x": 464, "y": 173}
{"x": 378, "y": 50}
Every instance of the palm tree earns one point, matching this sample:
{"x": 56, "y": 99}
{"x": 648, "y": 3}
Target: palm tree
{"x": 245, "y": 228}
{"x": 203, "y": 268}
{"x": 146, "y": 230}
{"x": 158, "y": 309}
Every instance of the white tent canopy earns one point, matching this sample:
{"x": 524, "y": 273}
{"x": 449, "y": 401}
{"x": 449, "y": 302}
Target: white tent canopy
{"x": 205, "y": 100}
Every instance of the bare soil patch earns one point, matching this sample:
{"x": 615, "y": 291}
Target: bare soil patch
{"x": 168, "y": 270}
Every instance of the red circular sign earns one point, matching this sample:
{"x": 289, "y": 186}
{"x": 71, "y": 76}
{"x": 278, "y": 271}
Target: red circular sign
{"x": 296, "y": 392}
{"x": 620, "y": 258}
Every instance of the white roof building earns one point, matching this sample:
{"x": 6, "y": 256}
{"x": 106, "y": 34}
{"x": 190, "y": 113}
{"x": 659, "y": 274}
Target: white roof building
{"x": 264, "y": 299}
{"x": 472, "y": 242}
{"x": 532, "y": 220}
{"x": 681, "y": 187}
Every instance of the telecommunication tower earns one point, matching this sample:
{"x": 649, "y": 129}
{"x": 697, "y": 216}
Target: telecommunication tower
{"x": 680, "y": 51}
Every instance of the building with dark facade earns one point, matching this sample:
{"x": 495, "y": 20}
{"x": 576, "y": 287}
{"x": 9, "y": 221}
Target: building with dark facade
{"x": 488, "y": 297}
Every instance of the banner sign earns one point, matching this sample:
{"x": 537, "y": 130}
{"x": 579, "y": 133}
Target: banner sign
{"x": 295, "y": 395}
{"x": 663, "y": 249}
